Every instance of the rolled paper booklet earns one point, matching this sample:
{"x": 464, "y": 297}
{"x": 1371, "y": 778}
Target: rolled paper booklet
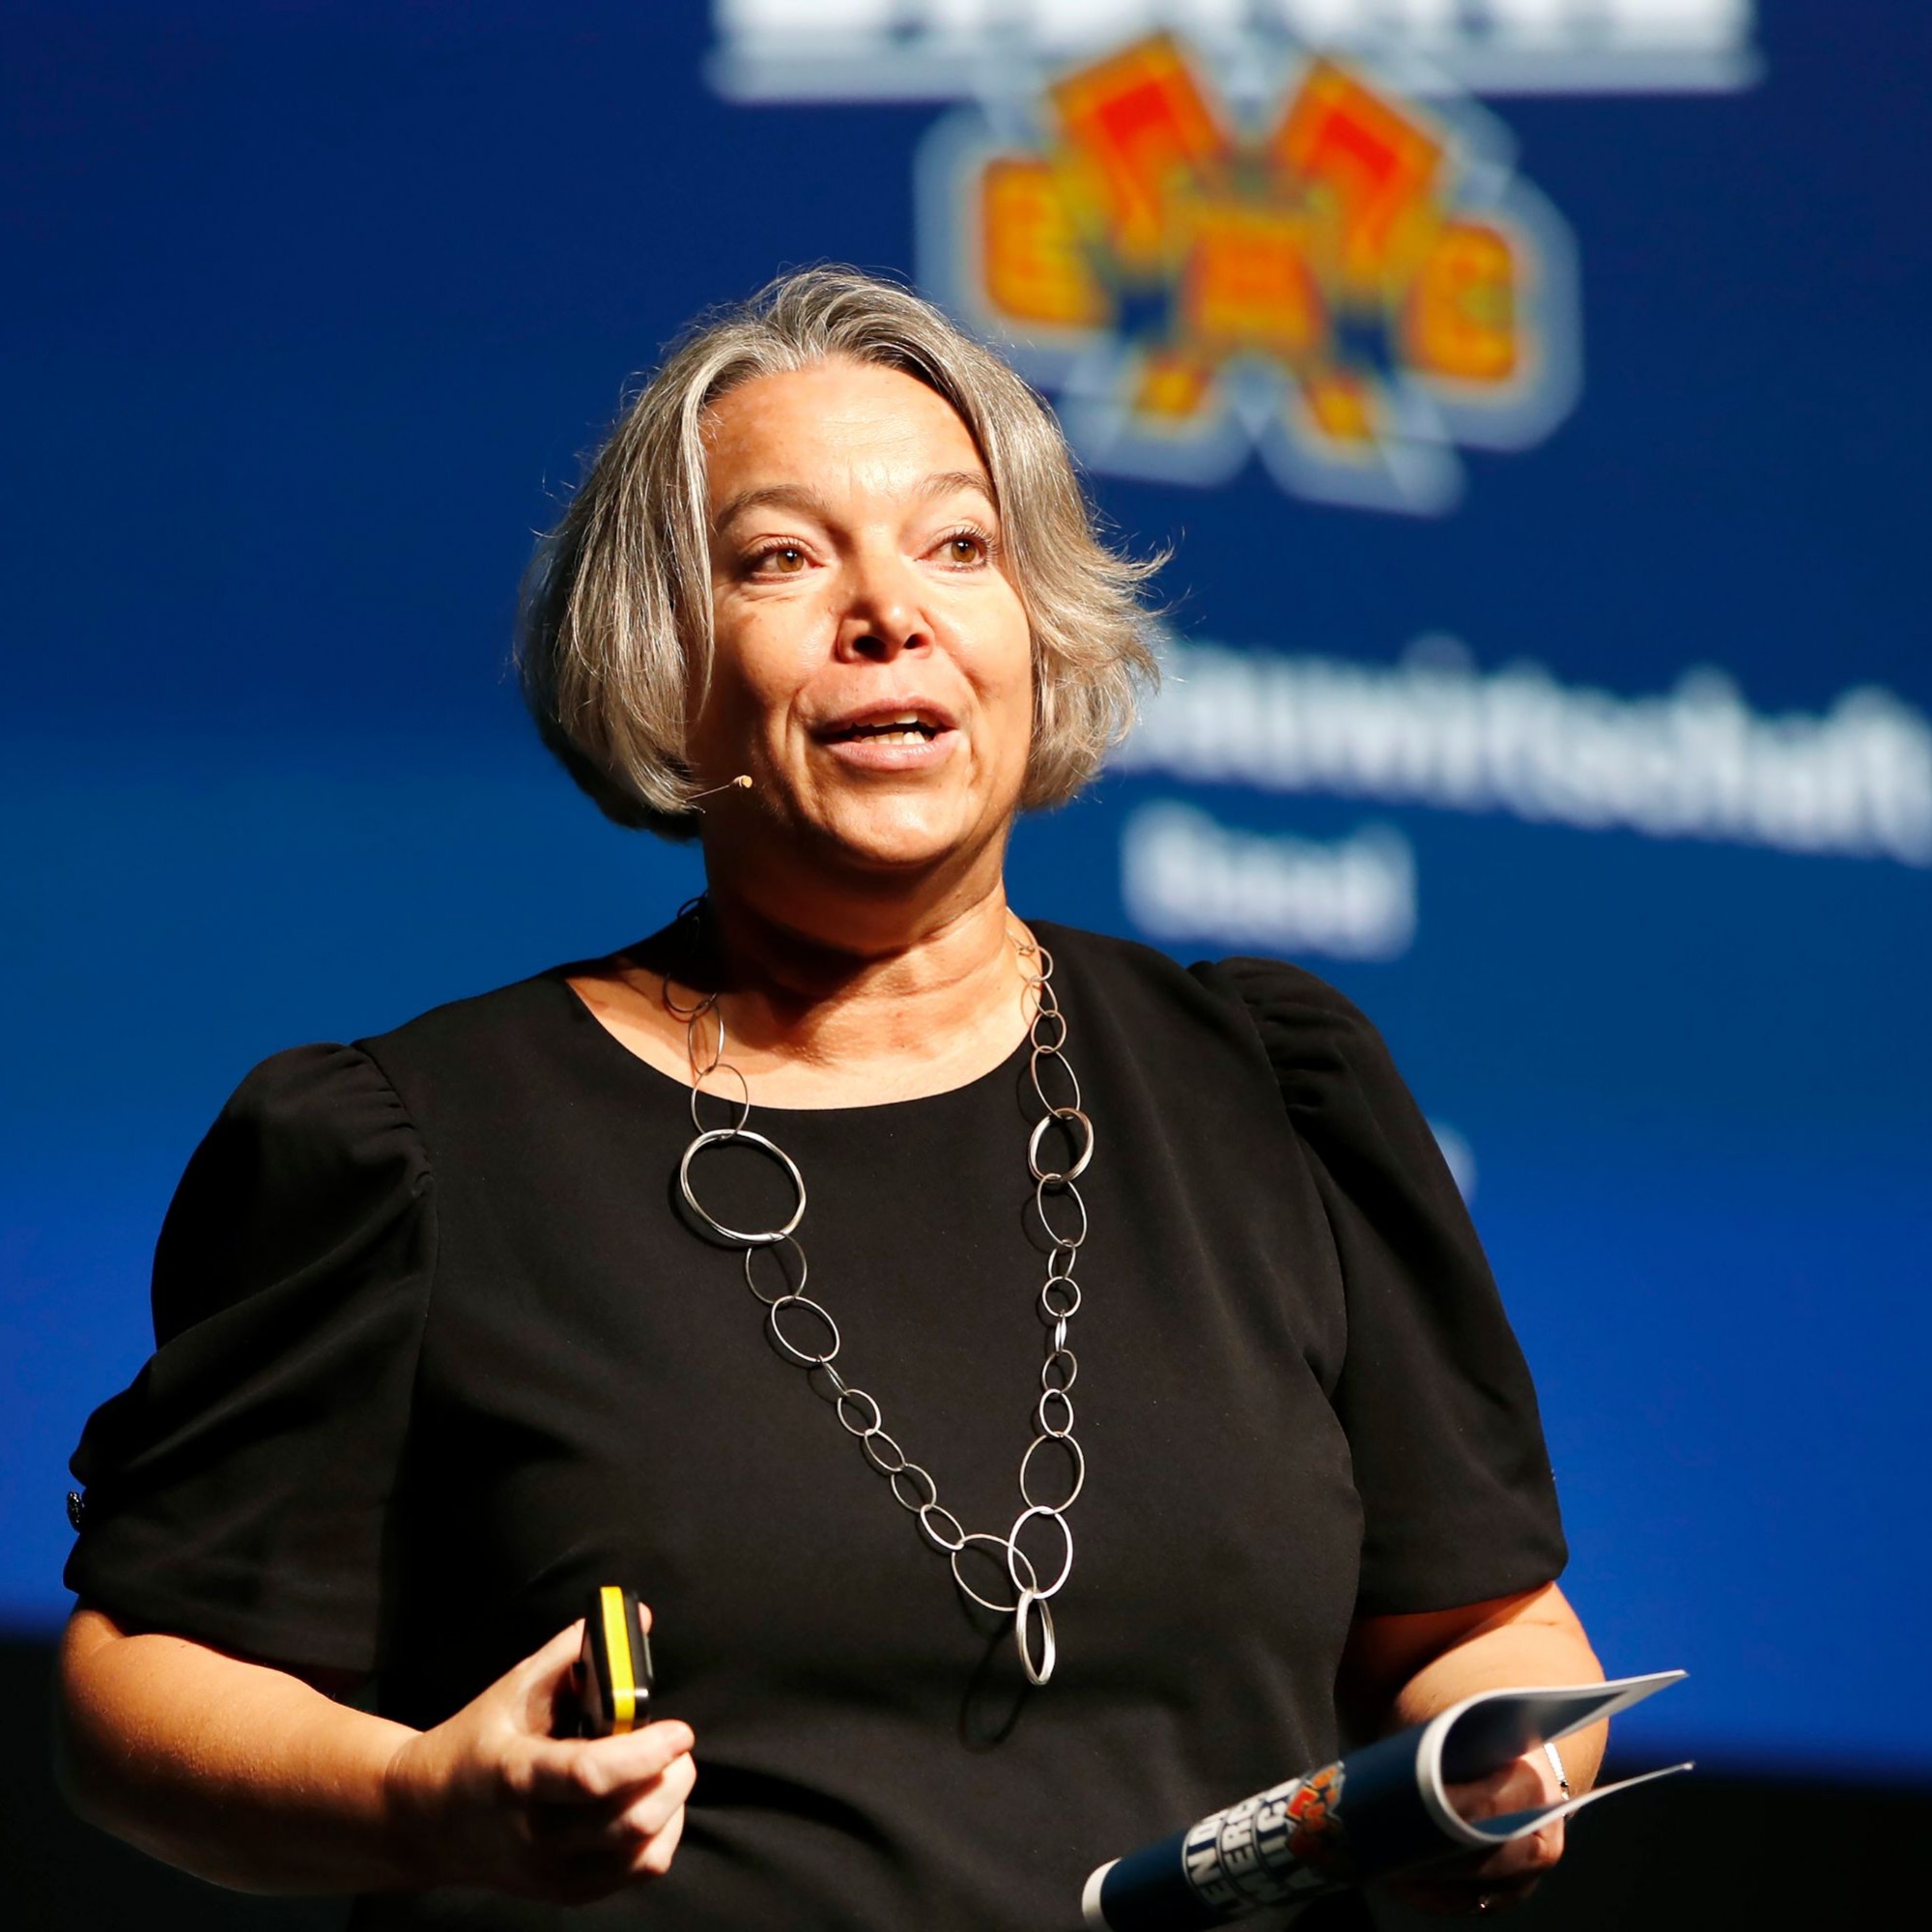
{"x": 1379, "y": 1812}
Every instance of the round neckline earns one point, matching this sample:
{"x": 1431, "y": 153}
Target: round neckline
{"x": 558, "y": 976}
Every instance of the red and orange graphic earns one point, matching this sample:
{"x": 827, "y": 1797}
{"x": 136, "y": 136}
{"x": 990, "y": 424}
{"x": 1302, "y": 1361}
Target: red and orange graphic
{"x": 1315, "y": 1816}
{"x": 1340, "y": 245}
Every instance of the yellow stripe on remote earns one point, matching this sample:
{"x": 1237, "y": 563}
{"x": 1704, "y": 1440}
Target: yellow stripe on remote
{"x": 618, "y": 1636}
{"x": 613, "y": 1671}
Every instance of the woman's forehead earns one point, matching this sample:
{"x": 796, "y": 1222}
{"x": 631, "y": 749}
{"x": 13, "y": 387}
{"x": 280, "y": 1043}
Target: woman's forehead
{"x": 834, "y": 423}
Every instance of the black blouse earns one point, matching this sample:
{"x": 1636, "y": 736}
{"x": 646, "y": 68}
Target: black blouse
{"x": 439, "y": 1351}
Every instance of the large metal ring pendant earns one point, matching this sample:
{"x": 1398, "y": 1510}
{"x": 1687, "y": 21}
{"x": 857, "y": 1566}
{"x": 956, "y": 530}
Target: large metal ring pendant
{"x": 1030, "y": 1600}
{"x": 1085, "y": 1143}
{"x": 711, "y": 1138}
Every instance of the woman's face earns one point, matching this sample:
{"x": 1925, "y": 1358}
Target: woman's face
{"x": 874, "y": 668}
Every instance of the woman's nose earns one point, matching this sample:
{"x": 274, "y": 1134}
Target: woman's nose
{"x": 882, "y": 615}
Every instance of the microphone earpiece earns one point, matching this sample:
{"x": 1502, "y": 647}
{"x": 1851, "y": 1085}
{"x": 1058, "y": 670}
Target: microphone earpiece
{"x": 742, "y": 783}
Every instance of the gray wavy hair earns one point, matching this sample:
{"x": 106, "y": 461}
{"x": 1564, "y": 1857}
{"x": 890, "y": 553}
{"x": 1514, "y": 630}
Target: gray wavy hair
{"x": 614, "y": 639}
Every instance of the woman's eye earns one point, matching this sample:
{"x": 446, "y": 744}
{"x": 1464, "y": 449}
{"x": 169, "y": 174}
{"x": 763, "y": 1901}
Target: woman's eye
{"x": 964, "y": 548}
{"x": 783, "y": 560}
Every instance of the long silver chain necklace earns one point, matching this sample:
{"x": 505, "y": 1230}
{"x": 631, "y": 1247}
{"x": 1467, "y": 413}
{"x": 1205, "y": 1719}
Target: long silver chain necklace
{"x": 1056, "y": 1191}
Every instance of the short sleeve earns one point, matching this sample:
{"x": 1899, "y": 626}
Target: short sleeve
{"x": 1448, "y": 1450}
{"x": 238, "y": 1490}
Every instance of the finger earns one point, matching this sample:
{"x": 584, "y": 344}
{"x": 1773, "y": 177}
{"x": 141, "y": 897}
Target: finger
{"x": 537, "y": 1686}
{"x": 1504, "y": 1875}
{"x": 660, "y": 1801}
{"x": 653, "y": 1859}
{"x": 561, "y": 1650}
{"x": 1549, "y": 1846}
{"x": 537, "y": 1682}
{"x": 1521, "y": 1785}
{"x": 1519, "y": 1858}
{"x": 1537, "y": 1852}
{"x": 621, "y": 1823}
{"x": 545, "y": 1674}
{"x": 585, "y": 1770}
{"x": 578, "y": 1873}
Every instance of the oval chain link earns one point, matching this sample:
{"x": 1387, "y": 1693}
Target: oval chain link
{"x": 1059, "y": 1298}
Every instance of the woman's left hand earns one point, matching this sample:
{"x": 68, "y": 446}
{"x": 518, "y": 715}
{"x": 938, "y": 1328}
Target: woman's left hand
{"x": 1402, "y": 1671}
{"x": 1508, "y": 1875}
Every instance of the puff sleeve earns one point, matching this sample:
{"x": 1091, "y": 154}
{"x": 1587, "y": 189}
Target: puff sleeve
{"x": 238, "y": 1490}
{"x": 1441, "y": 1417}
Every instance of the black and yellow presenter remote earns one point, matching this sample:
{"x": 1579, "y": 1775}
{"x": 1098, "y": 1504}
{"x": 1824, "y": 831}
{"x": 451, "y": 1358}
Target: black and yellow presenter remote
{"x": 613, "y": 1669}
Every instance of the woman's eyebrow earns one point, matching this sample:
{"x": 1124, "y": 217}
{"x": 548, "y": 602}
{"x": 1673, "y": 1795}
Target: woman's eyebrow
{"x": 776, "y": 496}
{"x": 804, "y": 500}
{"x": 947, "y": 482}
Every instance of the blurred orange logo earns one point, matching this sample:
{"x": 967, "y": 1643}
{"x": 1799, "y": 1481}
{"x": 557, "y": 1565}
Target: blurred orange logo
{"x": 1337, "y": 278}
{"x": 1314, "y": 1812}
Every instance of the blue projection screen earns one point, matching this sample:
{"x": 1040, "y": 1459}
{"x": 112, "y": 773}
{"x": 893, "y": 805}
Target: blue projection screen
{"x": 1536, "y": 398}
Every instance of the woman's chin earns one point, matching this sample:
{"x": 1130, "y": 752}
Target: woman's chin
{"x": 904, "y": 839}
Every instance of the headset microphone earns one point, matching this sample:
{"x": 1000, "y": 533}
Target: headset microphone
{"x": 742, "y": 783}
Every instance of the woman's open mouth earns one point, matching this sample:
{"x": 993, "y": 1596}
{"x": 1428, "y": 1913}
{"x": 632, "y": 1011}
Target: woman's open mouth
{"x": 883, "y": 738}
{"x": 910, "y": 728}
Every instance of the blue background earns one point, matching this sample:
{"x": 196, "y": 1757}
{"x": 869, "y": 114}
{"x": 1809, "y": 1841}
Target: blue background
{"x": 315, "y": 309}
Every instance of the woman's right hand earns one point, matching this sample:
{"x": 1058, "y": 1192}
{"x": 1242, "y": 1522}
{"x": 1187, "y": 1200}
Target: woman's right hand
{"x": 489, "y": 1798}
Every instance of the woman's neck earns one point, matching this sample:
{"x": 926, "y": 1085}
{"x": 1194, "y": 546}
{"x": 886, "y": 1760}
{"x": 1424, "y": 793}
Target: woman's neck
{"x": 863, "y": 1005}
{"x": 848, "y": 1007}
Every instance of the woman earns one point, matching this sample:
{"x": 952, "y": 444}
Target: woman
{"x": 454, "y": 1323}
